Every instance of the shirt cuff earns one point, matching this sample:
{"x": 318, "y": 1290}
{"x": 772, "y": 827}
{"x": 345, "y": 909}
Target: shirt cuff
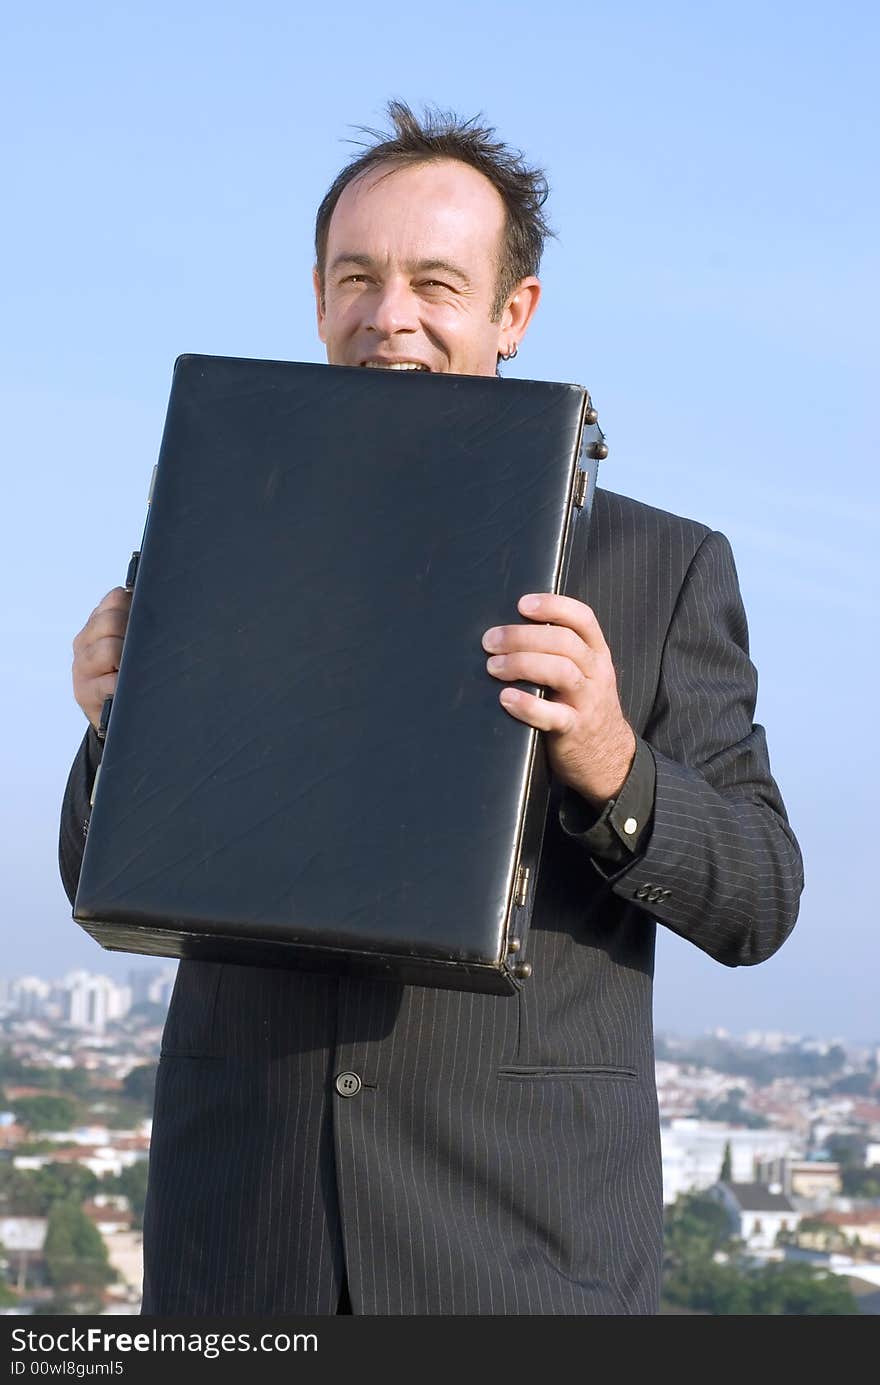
{"x": 620, "y": 831}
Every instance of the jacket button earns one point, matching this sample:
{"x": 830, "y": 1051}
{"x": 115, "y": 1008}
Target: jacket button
{"x": 348, "y": 1084}
{"x": 643, "y": 892}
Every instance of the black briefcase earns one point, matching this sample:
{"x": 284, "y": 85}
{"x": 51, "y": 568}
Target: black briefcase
{"x": 306, "y": 763}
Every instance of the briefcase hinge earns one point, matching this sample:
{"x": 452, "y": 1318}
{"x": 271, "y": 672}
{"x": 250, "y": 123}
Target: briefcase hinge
{"x": 580, "y": 488}
{"x": 131, "y": 574}
{"x": 94, "y": 787}
{"x": 153, "y": 475}
{"x": 521, "y": 892}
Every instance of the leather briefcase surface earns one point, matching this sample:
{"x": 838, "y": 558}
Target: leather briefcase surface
{"x": 306, "y": 763}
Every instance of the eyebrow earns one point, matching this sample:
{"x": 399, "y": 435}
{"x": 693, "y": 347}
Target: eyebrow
{"x": 414, "y": 266}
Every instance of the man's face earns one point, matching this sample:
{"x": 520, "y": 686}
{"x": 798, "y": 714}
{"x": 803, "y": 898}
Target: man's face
{"x": 411, "y": 271}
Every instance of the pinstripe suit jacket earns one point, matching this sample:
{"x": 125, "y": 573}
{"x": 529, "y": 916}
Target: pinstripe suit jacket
{"x": 502, "y": 1155}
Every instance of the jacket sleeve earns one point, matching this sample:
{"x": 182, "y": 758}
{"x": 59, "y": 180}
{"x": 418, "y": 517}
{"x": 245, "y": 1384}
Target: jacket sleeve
{"x": 721, "y": 866}
{"x": 75, "y": 811}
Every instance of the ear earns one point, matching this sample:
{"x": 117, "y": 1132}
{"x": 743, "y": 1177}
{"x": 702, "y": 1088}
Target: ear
{"x": 319, "y": 303}
{"x": 518, "y": 313}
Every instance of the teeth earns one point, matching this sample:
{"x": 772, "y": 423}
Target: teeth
{"x": 394, "y": 365}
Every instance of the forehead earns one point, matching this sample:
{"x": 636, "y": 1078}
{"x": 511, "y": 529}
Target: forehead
{"x": 397, "y": 211}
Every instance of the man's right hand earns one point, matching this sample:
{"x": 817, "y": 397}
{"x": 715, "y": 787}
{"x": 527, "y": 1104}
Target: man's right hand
{"x": 97, "y": 650}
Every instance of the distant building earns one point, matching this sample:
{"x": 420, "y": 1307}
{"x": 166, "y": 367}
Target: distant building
{"x": 11, "y": 1134}
{"x": 81, "y": 999}
{"x": 830, "y": 1229}
{"x": 152, "y": 985}
{"x": 100, "y": 1159}
{"x": 22, "y": 1240}
{"x": 94, "y": 1001}
{"x": 816, "y": 1179}
{"x": 109, "y": 1214}
{"x": 29, "y": 996}
{"x": 757, "y": 1214}
{"x": 693, "y": 1151}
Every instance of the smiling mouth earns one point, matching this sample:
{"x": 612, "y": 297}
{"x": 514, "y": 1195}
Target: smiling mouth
{"x": 396, "y": 365}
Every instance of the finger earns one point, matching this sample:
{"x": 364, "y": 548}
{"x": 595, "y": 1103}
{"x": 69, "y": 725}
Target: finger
{"x": 99, "y": 688}
{"x": 540, "y": 639}
{"x": 111, "y": 621}
{"x": 101, "y": 657}
{"x": 92, "y": 695}
{"x": 117, "y": 599}
{"x": 565, "y": 610}
{"x": 537, "y": 711}
{"x": 546, "y": 670}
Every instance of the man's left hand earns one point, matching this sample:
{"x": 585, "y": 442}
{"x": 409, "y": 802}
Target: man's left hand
{"x": 590, "y": 744}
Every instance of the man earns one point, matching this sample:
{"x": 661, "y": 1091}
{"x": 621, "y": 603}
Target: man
{"x": 491, "y": 1155}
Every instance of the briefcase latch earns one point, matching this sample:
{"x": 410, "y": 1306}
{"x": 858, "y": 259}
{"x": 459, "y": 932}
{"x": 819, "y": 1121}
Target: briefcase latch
{"x": 580, "y": 488}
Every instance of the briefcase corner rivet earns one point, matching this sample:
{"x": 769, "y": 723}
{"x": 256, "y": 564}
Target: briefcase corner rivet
{"x": 522, "y": 971}
{"x": 514, "y": 945}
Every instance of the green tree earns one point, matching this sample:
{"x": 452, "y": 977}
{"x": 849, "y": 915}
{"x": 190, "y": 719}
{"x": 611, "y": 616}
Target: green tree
{"x": 140, "y": 1084}
{"x": 19, "y": 1194}
{"x": 726, "y": 1174}
{"x": 707, "y": 1287}
{"x": 696, "y": 1228}
{"x": 33, "y": 1192}
{"x": 74, "y": 1250}
{"x": 698, "y": 1224}
{"x": 731, "y": 1111}
{"x": 12, "y": 1069}
{"x": 800, "y": 1290}
{"x": 66, "y": 1183}
{"x": 77, "y": 1081}
{"x": 131, "y": 1183}
{"x": 847, "y": 1150}
{"x": 45, "y": 1112}
{"x": 861, "y": 1182}
{"x": 697, "y": 1231}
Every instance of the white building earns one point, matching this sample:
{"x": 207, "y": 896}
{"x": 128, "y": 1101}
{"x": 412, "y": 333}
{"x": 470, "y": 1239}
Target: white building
{"x": 693, "y": 1152}
{"x": 22, "y": 1240}
{"x": 758, "y": 1215}
{"x": 93, "y": 1001}
{"x": 29, "y": 996}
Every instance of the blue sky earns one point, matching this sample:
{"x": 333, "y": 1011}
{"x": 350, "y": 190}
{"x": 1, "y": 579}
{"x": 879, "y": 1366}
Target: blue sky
{"x": 714, "y": 283}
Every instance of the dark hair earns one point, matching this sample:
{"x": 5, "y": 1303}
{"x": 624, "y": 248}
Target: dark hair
{"x": 444, "y": 135}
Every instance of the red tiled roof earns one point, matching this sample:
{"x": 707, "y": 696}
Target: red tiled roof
{"x": 864, "y": 1216}
{"x": 107, "y": 1214}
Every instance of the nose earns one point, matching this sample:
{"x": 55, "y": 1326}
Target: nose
{"x": 392, "y": 308}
